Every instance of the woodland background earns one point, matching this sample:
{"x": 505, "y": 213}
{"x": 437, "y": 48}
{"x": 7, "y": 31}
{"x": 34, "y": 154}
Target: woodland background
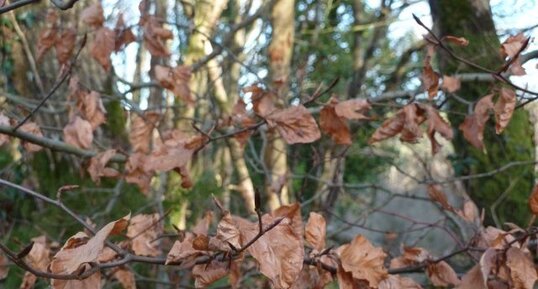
{"x": 177, "y": 99}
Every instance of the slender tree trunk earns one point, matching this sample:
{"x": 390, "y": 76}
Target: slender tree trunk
{"x": 473, "y": 20}
{"x": 280, "y": 55}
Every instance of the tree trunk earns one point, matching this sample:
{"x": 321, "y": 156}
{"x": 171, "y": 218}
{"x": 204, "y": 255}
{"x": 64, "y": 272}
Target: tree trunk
{"x": 473, "y": 20}
{"x": 280, "y": 55}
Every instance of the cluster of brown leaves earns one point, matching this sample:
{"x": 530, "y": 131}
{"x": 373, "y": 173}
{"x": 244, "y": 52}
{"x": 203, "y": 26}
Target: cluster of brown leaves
{"x": 81, "y": 252}
{"x": 61, "y": 38}
{"x": 105, "y": 40}
{"x": 407, "y": 121}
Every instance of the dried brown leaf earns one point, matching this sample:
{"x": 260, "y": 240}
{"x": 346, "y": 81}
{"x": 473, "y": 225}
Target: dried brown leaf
{"x": 262, "y": 101}
{"x": 411, "y": 256}
{"x": 65, "y": 44}
{"x": 504, "y": 108}
{"x": 522, "y": 271}
{"x": 511, "y": 46}
{"x": 155, "y": 36}
{"x": 451, "y": 84}
{"x": 47, "y": 39}
{"x": 472, "y": 279}
{"x": 91, "y": 107}
{"x": 436, "y": 124}
{"x": 316, "y": 231}
{"x": 279, "y": 252}
{"x": 102, "y": 46}
{"x": 399, "y": 282}
{"x": 474, "y": 124}
{"x": 436, "y": 194}
{"x": 93, "y": 15}
{"x": 460, "y": 41}
{"x": 125, "y": 277}
{"x": 124, "y": 35}
{"x": 430, "y": 78}
{"x": 295, "y": 124}
{"x": 142, "y": 129}
{"x": 353, "y": 109}
{"x": 441, "y": 274}
{"x": 333, "y": 125}
{"x": 144, "y": 230}
{"x": 79, "y": 133}
{"x": 31, "y": 128}
{"x": 98, "y": 169}
{"x": 77, "y": 253}
{"x": 136, "y": 172}
{"x": 176, "y": 80}
{"x": 206, "y": 274}
{"x": 363, "y": 260}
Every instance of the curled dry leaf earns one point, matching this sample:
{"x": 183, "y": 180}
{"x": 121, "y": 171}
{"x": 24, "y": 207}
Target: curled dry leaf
{"x": 451, "y": 84}
{"x": 430, "y": 78}
{"x": 353, "y": 109}
{"x": 227, "y": 233}
{"x": 512, "y": 45}
{"x": 473, "y": 279}
{"x": 31, "y": 128}
{"x": 125, "y": 277}
{"x": 406, "y": 121}
{"x": 295, "y": 124}
{"x": 315, "y": 231}
{"x": 38, "y": 258}
{"x": 65, "y": 44}
{"x": 436, "y": 194}
{"x": 334, "y": 125}
{"x": 533, "y": 200}
{"x": 155, "y": 36}
{"x": 47, "y": 39}
{"x": 410, "y": 257}
{"x": 93, "y": 15}
{"x": 516, "y": 67}
{"x": 436, "y": 124}
{"x": 77, "y": 253}
{"x": 399, "y": 282}
{"x": 262, "y": 101}
{"x": 206, "y": 274}
{"x": 504, "y": 108}
{"x": 176, "y": 80}
{"x": 183, "y": 252}
{"x": 460, "y": 41}
{"x": 144, "y": 230}
{"x": 142, "y": 129}
{"x": 102, "y": 46}
{"x": 441, "y": 274}
{"x": 522, "y": 271}
{"x": 279, "y": 252}
{"x": 124, "y": 35}
{"x": 136, "y": 172}
{"x": 293, "y": 213}
{"x": 91, "y": 107}
{"x": 363, "y": 261}
{"x": 469, "y": 212}
{"x": 474, "y": 124}
{"x": 98, "y": 169}
{"x": 4, "y": 121}
{"x": 346, "y": 280}
{"x": 79, "y": 133}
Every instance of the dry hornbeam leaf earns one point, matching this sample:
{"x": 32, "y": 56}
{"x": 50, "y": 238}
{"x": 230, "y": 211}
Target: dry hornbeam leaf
{"x": 77, "y": 253}
{"x": 504, "y": 108}
{"x": 334, "y": 125}
{"x": 144, "y": 230}
{"x": 98, "y": 169}
{"x": 474, "y": 124}
{"x": 176, "y": 80}
{"x": 79, "y": 133}
{"x": 295, "y": 124}
{"x": 31, "y": 128}
{"x": 363, "y": 261}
